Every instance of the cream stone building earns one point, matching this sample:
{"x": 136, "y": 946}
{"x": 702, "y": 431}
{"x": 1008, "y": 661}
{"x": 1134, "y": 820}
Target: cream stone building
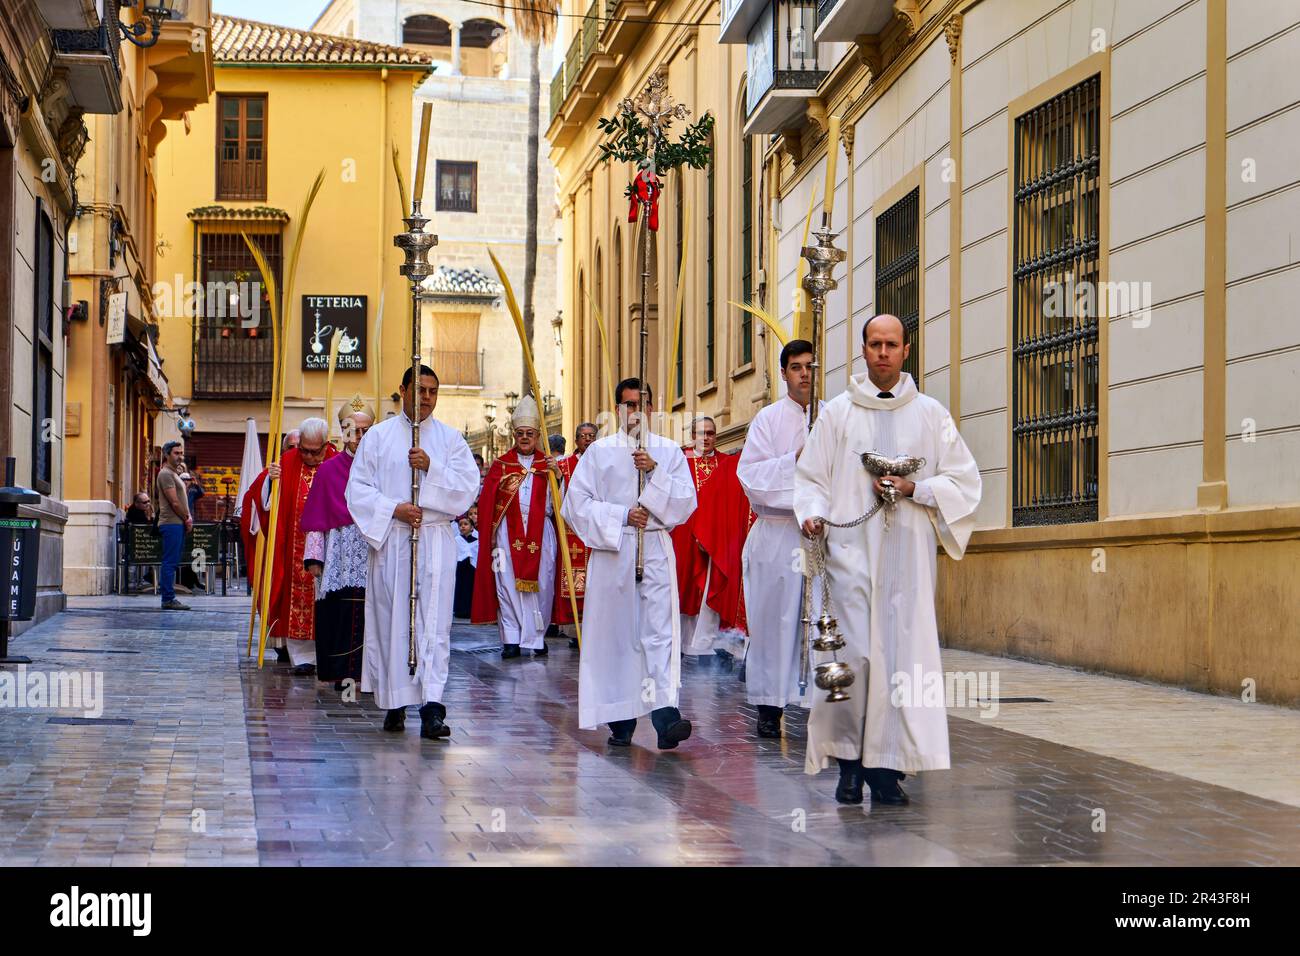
{"x": 1082, "y": 210}
{"x": 475, "y": 194}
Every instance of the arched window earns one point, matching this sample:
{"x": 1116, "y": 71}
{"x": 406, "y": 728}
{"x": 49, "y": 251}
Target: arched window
{"x": 746, "y": 239}
{"x": 580, "y": 346}
{"x": 484, "y": 48}
{"x": 679, "y": 375}
{"x": 426, "y": 30}
{"x": 598, "y": 301}
{"x": 616, "y": 317}
{"x": 710, "y": 273}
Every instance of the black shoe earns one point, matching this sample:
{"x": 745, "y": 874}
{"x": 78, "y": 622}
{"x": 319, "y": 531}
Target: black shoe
{"x": 282, "y": 655}
{"x": 884, "y": 786}
{"x": 541, "y": 651}
{"x": 620, "y": 732}
{"x": 304, "y": 670}
{"x": 553, "y": 630}
{"x": 175, "y": 605}
{"x": 573, "y": 642}
{"x": 671, "y": 726}
{"x": 677, "y": 731}
{"x": 395, "y": 720}
{"x": 769, "y": 721}
{"x": 432, "y": 726}
{"x": 509, "y": 651}
{"x": 849, "y": 789}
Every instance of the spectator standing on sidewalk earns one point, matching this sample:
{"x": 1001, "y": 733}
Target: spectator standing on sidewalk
{"x": 140, "y": 512}
{"x": 174, "y": 521}
{"x": 193, "y": 490}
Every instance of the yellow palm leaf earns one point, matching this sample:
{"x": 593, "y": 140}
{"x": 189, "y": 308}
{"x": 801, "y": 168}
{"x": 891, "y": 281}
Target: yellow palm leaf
{"x": 757, "y": 310}
{"x": 401, "y": 180}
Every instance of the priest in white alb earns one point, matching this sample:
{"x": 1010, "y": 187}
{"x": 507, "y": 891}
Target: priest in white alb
{"x": 631, "y": 635}
{"x": 379, "y": 500}
{"x": 882, "y": 572}
{"x": 771, "y": 560}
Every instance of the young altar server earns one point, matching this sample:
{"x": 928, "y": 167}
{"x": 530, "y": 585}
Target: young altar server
{"x": 378, "y": 497}
{"x": 630, "y": 662}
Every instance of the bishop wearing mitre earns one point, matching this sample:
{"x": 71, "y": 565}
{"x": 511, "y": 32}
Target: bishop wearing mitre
{"x": 514, "y": 580}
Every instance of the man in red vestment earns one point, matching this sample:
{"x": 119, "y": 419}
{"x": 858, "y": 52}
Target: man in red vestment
{"x": 293, "y": 591}
{"x": 253, "y": 519}
{"x": 708, "y": 548}
{"x": 514, "y": 581}
{"x": 578, "y": 552}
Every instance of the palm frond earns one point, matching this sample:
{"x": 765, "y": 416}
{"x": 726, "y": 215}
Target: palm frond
{"x": 534, "y": 19}
{"x": 401, "y": 181}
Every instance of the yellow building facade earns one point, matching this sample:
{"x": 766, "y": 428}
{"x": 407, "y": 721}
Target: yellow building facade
{"x": 287, "y": 104}
{"x": 1141, "y": 507}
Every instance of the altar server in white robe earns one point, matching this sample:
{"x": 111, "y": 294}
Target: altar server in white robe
{"x": 378, "y": 496}
{"x": 882, "y": 581}
{"x": 631, "y": 637}
{"x": 771, "y": 560}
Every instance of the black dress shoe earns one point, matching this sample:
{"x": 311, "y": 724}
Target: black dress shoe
{"x": 884, "y": 786}
{"x": 395, "y": 720}
{"x": 670, "y": 726}
{"x": 541, "y": 651}
{"x": 282, "y": 655}
{"x": 432, "y": 726}
{"x": 573, "y": 642}
{"x": 509, "y": 651}
{"x": 769, "y": 721}
{"x": 621, "y": 731}
{"x": 849, "y": 789}
{"x": 304, "y": 670}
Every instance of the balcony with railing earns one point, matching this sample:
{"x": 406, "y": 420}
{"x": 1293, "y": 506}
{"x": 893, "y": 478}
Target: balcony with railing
{"x": 849, "y": 19}
{"x": 784, "y": 69}
{"x": 738, "y": 17}
{"x": 557, "y": 91}
{"x": 91, "y": 63}
{"x": 584, "y": 76}
{"x": 624, "y": 21}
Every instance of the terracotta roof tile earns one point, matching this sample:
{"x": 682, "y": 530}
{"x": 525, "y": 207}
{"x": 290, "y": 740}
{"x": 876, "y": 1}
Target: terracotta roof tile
{"x": 468, "y": 282}
{"x": 248, "y": 41}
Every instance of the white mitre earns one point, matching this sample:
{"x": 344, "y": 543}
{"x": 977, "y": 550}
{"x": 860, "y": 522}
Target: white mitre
{"x": 526, "y": 414}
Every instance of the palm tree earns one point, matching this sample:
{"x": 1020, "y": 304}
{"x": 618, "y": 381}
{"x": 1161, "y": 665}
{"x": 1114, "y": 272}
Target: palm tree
{"x": 536, "y": 22}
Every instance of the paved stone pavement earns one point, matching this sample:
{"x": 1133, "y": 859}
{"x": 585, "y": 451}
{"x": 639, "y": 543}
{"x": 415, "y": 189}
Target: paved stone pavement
{"x": 200, "y": 758}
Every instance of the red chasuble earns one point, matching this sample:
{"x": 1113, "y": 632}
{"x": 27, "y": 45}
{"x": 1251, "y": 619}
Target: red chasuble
{"x": 578, "y": 553}
{"x": 293, "y": 593}
{"x": 500, "y": 499}
{"x": 716, "y": 530}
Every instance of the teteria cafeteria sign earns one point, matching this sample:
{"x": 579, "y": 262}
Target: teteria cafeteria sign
{"x": 322, "y": 315}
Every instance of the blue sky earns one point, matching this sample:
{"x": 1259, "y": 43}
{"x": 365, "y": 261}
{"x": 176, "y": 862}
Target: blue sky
{"x": 299, "y": 14}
